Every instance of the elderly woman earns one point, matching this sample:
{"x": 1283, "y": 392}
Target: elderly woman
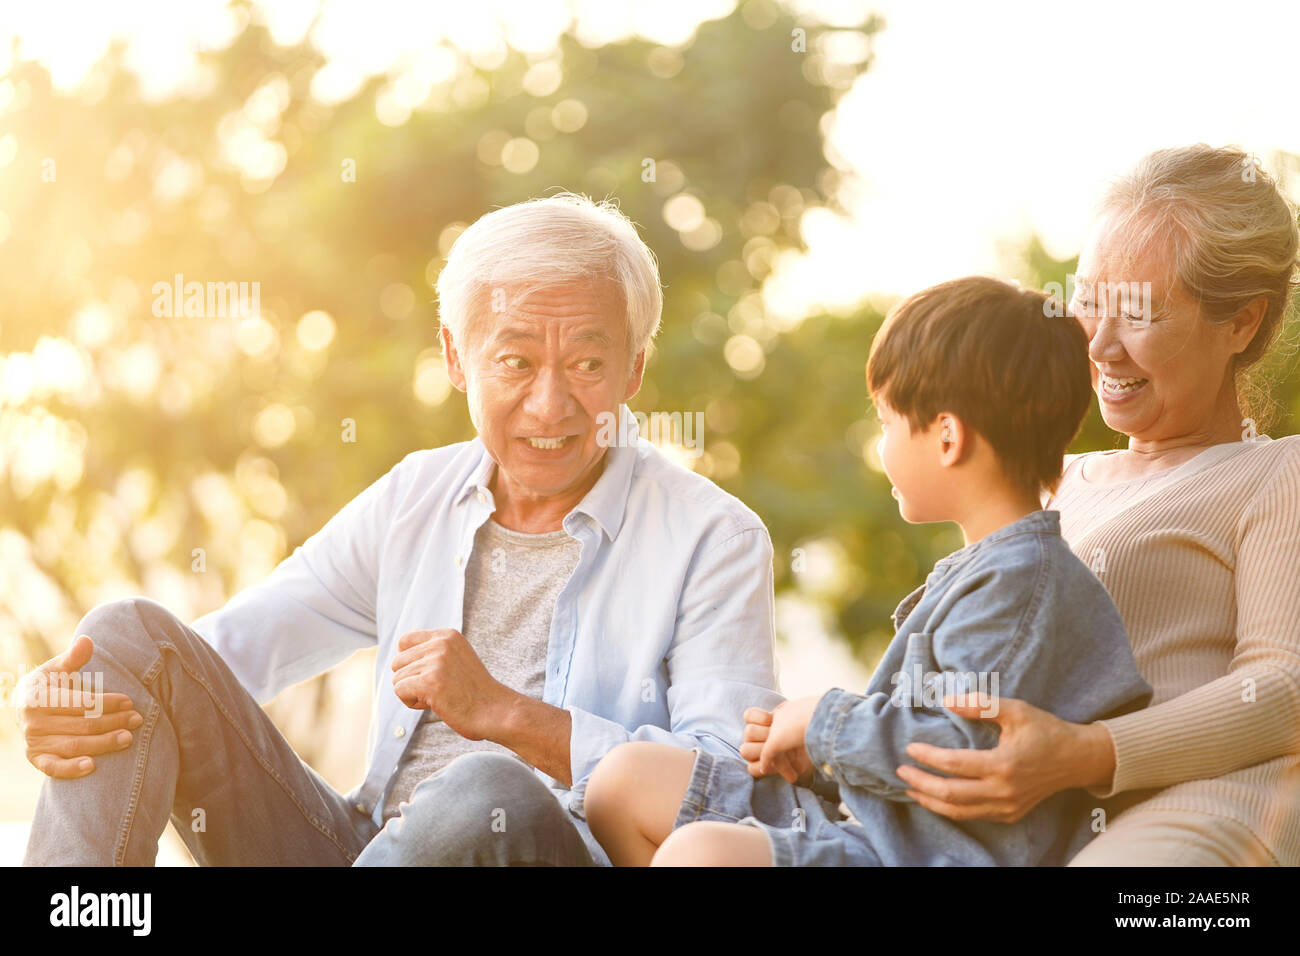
{"x": 1194, "y": 528}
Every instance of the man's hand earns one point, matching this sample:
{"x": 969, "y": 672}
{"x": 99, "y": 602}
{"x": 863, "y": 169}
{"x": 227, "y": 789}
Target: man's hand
{"x": 774, "y": 741}
{"x": 439, "y": 671}
{"x": 63, "y": 725}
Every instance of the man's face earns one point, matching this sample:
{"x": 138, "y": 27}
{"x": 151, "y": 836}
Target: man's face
{"x": 537, "y": 376}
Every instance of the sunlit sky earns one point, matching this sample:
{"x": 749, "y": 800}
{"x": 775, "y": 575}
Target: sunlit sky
{"x": 981, "y": 122}
{"x": 976, "y": 124}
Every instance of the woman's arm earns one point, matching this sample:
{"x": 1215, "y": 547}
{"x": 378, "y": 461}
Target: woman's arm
{"x": 1037, "y": 755}
{"x": 1250, "y": 715}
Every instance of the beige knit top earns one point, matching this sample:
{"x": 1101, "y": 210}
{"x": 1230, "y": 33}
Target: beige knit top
{"x": 1203, "y": 562}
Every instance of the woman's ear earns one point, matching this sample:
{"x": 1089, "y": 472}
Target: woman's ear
{"x": 455, "y": 373}
{"x": 1245, "y": 324}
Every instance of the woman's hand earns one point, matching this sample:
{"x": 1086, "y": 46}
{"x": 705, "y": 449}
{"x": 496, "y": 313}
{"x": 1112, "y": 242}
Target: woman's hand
{"x": 1037, "y": 755}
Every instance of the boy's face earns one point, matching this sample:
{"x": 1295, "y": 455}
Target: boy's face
{"x": 912, "y": 465}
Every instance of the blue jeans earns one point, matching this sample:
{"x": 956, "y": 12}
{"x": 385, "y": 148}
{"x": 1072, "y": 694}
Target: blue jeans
{"x": 803, "y": 826}
{"x": 208, "y": 758}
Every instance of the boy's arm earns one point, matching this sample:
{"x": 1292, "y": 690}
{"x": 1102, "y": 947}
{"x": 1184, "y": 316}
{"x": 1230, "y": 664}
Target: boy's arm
{"x": 860, "y": 740}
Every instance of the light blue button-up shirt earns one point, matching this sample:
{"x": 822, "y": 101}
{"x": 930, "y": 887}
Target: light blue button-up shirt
{"x": 664, "y": 632}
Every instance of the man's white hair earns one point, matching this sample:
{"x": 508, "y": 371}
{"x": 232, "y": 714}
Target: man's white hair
{"x": 533, "y": 245}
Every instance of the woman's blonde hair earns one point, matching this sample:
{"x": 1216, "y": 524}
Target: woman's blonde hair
{"x": 1232, "y": 237}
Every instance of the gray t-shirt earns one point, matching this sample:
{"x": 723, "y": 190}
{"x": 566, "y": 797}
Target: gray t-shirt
{"x": 511, "y": 584}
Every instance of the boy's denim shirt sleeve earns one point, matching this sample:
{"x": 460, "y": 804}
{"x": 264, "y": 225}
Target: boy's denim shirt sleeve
{"x": 1015, "y": 614}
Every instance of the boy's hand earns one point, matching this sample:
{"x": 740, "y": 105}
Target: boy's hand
{"x": 774, "y": 741}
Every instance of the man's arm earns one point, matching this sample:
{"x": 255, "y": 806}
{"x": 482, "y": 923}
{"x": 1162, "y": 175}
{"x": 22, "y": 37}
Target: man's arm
{"x": 538, "y": 732}
{"x": 439, "y": 670}
{"x": 720, "y": 663}
{"x": 316, "y": 607}
{"x": 721, "y": 660}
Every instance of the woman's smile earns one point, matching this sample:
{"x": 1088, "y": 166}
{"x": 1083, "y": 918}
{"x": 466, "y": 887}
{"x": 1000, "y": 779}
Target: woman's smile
{"x": 1117, "y": 389}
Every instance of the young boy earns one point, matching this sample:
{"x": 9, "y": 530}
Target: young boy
{"x": 979, "y": 391}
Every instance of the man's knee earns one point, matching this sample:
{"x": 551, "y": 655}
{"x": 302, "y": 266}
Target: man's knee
{"x": 131, "y": 622}
{"x": 483, "y": 808}
{"x": 483, "y": 789}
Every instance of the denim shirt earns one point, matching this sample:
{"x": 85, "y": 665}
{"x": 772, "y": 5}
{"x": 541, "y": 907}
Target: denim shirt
{"x": 1017, "y": 604}
{"x": 664, "y": 632}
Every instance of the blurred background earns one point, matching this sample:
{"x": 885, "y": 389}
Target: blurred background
{"x": 796, "y": 167}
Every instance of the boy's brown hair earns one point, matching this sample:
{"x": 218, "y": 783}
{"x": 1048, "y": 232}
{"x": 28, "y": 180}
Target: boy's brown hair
{"x": 992, "y": 354}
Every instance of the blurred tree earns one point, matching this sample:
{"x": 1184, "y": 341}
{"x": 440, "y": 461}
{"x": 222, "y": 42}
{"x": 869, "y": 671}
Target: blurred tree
{"x": 184, "y": 457}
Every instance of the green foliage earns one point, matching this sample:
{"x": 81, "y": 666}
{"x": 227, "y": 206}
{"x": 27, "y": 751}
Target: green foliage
{"x": 732, "y": 119}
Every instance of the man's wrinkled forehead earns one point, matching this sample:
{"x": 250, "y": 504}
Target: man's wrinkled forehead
{"x": 593, "y": 307}
{"x": 532, "y": 334}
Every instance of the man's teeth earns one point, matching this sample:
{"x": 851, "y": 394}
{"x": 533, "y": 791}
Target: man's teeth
{"x": 1123, "y": 384}
{"x": 544, "y": 443}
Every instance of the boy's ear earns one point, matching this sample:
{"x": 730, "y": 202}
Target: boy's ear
{"x": 953, "y": 438}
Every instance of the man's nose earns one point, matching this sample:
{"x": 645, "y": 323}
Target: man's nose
{"x": 549, "y": 399}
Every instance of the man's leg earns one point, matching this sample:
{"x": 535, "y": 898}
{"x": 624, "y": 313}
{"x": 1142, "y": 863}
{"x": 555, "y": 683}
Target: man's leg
{"x": 482, "y": 809}
{"x": 206, "y": 756}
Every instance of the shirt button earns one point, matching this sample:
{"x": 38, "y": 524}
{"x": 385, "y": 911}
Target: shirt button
{"x": 826, "y": 769}
{"x": 459, "y": 560}
{"x": 361, "y": 809}
{"x": 399, "y": 731}
{"x": 482, "y": 497}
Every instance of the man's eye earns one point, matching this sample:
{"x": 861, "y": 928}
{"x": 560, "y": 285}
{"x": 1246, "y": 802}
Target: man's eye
{"x": 590, "y": 365}
{"x": 515, "y": 362}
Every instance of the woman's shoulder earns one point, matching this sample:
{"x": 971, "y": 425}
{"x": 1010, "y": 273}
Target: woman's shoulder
{"x": 1071, "y": 468}
{"x": 1274, "y": 459}
{"x": 1288, "y": 446}
{"x": 1268, "y": 453}
{"x": 1073, "y": 462}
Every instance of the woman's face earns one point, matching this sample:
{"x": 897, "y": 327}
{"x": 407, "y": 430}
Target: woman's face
{"x": 1159, "y": 370}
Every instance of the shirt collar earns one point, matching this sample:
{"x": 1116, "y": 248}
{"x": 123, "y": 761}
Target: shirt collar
{"x": 1036, "y": 522}
{"x": 605, "y": 503}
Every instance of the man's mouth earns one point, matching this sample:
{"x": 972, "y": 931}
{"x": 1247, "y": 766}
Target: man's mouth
{"x": 548, "y": 444}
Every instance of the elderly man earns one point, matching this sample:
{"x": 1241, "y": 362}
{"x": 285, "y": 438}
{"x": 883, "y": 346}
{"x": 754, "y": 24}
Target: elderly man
{"x": 537, "y": 595}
